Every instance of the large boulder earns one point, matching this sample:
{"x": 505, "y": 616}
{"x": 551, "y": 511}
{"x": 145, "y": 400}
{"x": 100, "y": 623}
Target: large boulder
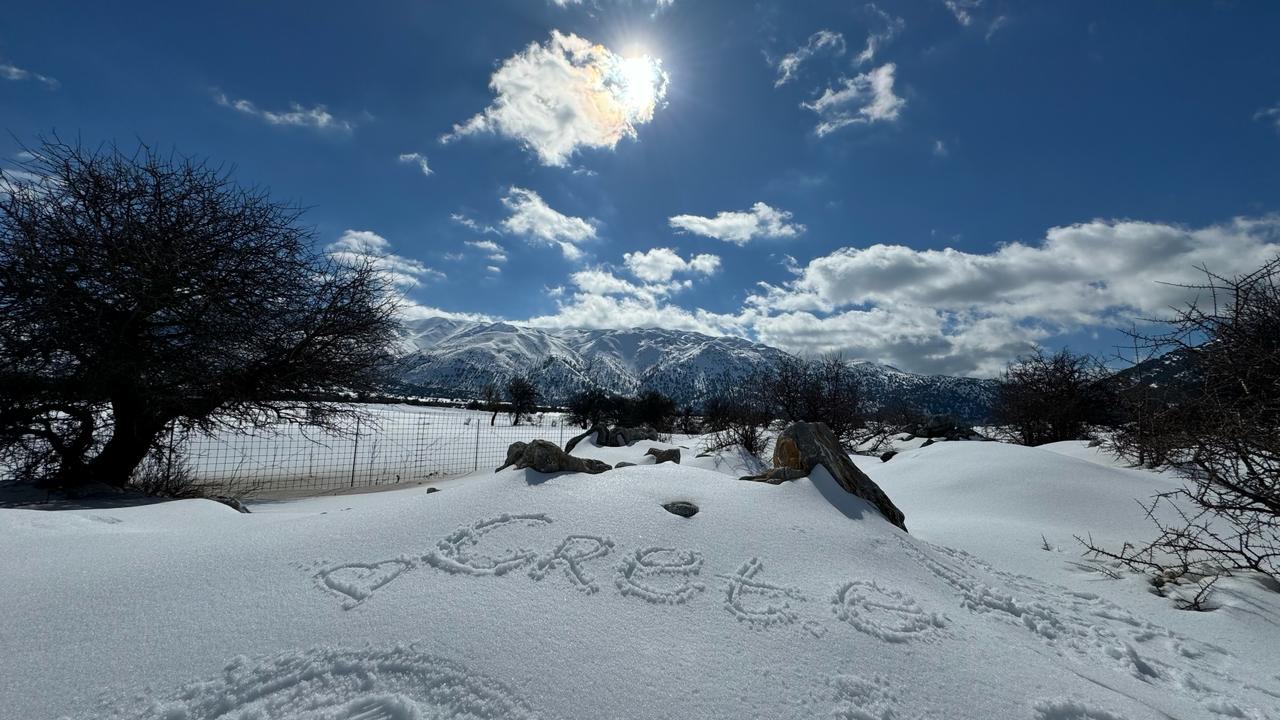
{"x": 660, "y": 456}
{"x": 545, "y": 457}
{"x": 804, "y": 446}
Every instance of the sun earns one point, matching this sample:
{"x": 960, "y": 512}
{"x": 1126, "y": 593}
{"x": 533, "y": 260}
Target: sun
{"x": 640, "y": 84}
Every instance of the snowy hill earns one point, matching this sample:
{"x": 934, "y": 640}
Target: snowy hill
{"x": 519, "y": 595}
{"x": 452, "y": 357}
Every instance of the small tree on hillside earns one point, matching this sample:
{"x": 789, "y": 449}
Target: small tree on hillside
{"x": 139, "y": 290}
{"x": 522, "y": 398}
{"x": 1048, "y": 398}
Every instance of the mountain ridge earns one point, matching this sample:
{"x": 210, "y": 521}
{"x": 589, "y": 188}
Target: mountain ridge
{"x": 456, "y": 358}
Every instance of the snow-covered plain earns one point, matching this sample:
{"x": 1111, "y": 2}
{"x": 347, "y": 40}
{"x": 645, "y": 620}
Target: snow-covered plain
{"x": 518, "y": 595}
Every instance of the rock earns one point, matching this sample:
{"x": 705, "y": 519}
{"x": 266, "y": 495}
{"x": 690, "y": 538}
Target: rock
{"x": 776, "y": 476}
{"x": 546, "y": 457}
{"x": 233, "y": 503}
{"x": 802, "y": 446}
{"x": 886, "y": 457}
{"x": 926, "y": 443}
{"x": 623, "y": 464}
{"x": 681, "y": 508}
{"x": 432, "y": 489}
{"x": 601, "y": 438}
{"x": 626, "y": 436}
{"x": 660, "y": 456}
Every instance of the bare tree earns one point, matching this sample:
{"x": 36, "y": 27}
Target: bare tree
{"x": 591, "y": 407}
{"x": 139, "y": 290}
{"x": 1048, "y": 398}
{"x": 522, "y": 398}
{"x": 491, "y": 400}
{"x": 817, "y": 390}
{"x": 738, "y": 414}
{"x": 1222, "y": 431}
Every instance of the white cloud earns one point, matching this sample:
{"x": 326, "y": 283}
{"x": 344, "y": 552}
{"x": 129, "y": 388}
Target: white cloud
{"x": 492, "y": 250}
{"x": 660, "y": 264}
{"x": 358, "y": 246}
{"x": 996, "y": 26}
{"x": 568, "y": 94}
{"x": 15, "y": 73}
{"x": 471, "y": 224}
{"x": 864, "y": 99}
{"x": 877, "y": 40}
{"x": 940, "y": 148}
{"x": 823, "y": 40}
{"x": 532, "y": 218}
{"x": 958, "y": 312}
{"x": 1271, "y": 115}
{"x": 415, "y": 311}
{"x": 602, "y": 300}
{"x": 963, "y": 9}
{"x": 761, "y": 221}
{"x": 317, "y": 117}
{"x": 418, "y": 159}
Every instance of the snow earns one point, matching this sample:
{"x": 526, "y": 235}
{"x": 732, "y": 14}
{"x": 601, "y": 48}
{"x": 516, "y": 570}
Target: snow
{"x": 519, "y": 595}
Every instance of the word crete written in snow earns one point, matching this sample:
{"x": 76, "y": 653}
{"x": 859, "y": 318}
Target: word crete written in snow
{"x": 656, "y": 575}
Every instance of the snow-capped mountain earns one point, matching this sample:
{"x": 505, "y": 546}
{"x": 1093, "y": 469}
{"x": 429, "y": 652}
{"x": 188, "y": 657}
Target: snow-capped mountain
{"x": 455, "y": 358}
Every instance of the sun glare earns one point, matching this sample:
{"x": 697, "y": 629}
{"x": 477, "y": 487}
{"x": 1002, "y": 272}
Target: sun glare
{"x": 641, "y": 84}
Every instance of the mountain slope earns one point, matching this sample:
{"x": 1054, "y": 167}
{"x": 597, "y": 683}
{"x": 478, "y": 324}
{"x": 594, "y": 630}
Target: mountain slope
{"x": 456, "y": 358}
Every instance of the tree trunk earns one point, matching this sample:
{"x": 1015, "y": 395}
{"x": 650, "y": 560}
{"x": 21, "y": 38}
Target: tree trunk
{"x": 132, "y": 436}
{"x": 494, "y": 418}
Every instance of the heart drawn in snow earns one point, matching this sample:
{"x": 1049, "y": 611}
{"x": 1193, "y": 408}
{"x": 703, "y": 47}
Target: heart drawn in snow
{"x": 358, "y": 581}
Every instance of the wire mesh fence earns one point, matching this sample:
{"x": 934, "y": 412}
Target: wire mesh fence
{"x": 391, "y": 444}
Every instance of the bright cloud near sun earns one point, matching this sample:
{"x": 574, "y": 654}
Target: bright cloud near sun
{"x": 567, "y": 94}
{"x": 739, "y": 228}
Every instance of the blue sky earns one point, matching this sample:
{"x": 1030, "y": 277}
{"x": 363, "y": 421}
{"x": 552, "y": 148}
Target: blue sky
{"x": 940, "y": 185}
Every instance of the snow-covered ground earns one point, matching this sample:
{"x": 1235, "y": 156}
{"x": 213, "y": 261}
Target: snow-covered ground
{"x": 517, "y": 595}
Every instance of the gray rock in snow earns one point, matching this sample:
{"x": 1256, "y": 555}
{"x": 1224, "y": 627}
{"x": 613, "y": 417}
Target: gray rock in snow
{"x": 681, "y": 508}
{"x": 660, "y": 456}
{"x": 545, "y": 457}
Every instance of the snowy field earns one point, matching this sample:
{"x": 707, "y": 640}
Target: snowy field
{"x": 517, "y": 595}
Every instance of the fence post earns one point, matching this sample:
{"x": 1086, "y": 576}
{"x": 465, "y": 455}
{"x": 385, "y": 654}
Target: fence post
{"x": 355, "y": 452}
{"x": 168, "y": 467}
{"x": 476, "y": 465}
